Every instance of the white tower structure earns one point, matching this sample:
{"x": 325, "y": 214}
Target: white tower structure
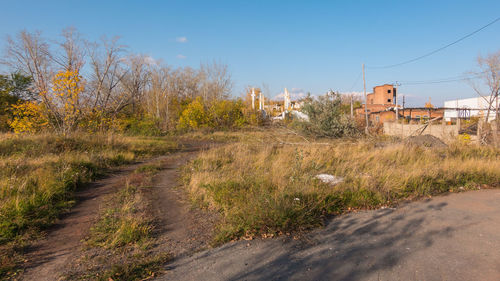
{"x": 260, "y": 101}
{"x": 287, "y": 100}
{"x": 253, "y": 98}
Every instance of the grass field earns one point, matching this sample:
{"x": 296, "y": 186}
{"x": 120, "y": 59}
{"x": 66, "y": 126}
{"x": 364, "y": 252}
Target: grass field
{"x": 265, "y": 184}
{"x": 39, "y": 175}
{"x": 262, "y": 181}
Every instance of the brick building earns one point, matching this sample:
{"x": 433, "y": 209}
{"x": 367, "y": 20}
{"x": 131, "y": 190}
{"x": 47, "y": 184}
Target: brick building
{"x": 380, "y": 104}
{"x": 381, "y": 107}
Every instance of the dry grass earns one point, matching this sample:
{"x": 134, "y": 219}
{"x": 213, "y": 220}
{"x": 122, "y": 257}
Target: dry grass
{"x": 264, "y": 187}
{"x": 39, "y": 174}
{"x": 120, "y": 241}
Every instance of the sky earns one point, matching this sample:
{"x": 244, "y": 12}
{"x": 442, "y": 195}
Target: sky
{"x": 305, "y": 46}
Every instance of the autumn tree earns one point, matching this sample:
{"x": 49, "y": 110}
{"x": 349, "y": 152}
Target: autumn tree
{"x": 28, "y": 54}
{"x": 489, "y": 90}
{"x": 65, "y": 98}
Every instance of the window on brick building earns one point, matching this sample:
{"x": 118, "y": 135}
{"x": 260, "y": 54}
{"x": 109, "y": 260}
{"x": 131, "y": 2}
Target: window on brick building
{"x": 388, "y": 100}
{"x": 389, "y": 91}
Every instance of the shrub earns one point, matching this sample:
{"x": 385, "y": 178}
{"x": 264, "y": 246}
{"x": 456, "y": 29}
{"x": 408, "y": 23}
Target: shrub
{"x": 28, "y": 117}
{"x": 327, "y": 119}
{"x": 142, "y": 126}
{"x": 6, "y": 103}
{"x": 194, "y": 116}
{"x": 227, "y": 114}
{"x": 221, "y": 114}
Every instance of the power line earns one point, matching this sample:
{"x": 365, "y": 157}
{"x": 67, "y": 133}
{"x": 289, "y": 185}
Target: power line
{"x": 355, "y": 82}
{"x": 439, "y": 49}
{"x": 443, "y": 80}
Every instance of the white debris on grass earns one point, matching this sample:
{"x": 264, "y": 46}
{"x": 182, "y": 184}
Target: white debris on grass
{"x": 300, "y": 115}
{"x": 330, "y": 179}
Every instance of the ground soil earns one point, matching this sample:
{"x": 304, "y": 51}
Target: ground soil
{"x": 425, "y": 140}
{"x": 47, "y": 258}
{"x": 180, "y": 229}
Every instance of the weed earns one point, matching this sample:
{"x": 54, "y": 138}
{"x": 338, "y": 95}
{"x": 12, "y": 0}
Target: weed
{"x": 40, "y": 173}
{"x": 264, "y": 188}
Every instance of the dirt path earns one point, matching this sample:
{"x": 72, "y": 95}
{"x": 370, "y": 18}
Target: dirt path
{"x": 454, "y": 237}
{"x": 48, "y": 257}
{"x": 180, "y": 230}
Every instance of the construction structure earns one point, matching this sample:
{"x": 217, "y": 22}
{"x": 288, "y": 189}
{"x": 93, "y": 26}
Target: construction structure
{"x": 468, "y": 108}
{"x": 381, "y": 106}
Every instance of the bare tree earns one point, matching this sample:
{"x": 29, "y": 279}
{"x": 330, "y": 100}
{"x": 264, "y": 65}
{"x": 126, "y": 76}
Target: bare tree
{"x": 217, "y": 83}
{"x": 72, "y": 54}
{"x": 133, "y": 83}
{"x": 490, "y": 75}
{"x": 107, "y": 71}
{"x": 28, "y": 53}
{"x": 158, "y": 93}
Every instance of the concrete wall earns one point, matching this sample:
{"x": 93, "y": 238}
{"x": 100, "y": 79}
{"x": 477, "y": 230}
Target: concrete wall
{"x": 444, "y": 132}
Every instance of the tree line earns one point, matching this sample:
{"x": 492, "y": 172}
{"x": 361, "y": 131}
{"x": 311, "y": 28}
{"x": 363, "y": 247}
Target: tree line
{"x": 77, "y": 84}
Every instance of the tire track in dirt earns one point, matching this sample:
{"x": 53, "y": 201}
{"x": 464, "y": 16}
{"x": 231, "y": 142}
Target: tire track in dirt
{"x": 47, "y": 258}
{"x": 180, "y": 229}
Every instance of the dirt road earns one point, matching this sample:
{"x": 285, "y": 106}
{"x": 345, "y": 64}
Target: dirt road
{"x": 180, "y": 229}
{"x": 47, "y": 258}
{"x": 452, "y": 237}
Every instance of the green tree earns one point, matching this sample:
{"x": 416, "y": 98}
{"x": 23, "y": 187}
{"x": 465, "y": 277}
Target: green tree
{"x": 13, "y": 88}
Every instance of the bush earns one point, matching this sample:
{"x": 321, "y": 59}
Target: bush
{"x": 6, "y": 102}
{"x": 326, "y": 118}
{"x": 145, "y": 126}
{"x": 227, "y": 114}
{"x": 28, "y": 117}
{"x": 194, "y": 116}
{"x": 221, "y": 114}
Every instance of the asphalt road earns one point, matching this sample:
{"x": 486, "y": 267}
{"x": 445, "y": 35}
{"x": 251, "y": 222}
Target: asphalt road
{"x": 452, "y": 237}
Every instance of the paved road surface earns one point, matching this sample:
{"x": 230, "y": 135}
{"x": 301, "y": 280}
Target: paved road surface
{"x": 453, "y": 237}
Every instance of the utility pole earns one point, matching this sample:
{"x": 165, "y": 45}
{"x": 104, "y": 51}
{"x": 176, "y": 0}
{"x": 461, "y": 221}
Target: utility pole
{"x": 366, "y": 101}
{"x": 352, "y": 107}
{"x": 396, "y": 101}
{"x": 404, "y": 107}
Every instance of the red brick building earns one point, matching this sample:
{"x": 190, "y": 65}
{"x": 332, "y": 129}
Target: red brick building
{"x": 381, "y": 107}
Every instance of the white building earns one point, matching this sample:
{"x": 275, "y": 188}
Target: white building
{"x": 471, "y": 107}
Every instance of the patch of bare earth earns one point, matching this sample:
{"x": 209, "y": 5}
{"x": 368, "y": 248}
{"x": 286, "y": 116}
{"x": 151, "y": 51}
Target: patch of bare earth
{"x": 48, "y": 257}
{"x": 179, "y": 229}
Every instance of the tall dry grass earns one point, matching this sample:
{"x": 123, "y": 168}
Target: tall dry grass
{"x": 40, "y": 173}
{"x": 267, "y": 187}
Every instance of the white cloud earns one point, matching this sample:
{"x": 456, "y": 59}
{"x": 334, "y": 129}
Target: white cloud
{"x": 295, "y": 94}
{"x": 179, "y": 56}
{"x": 150, "y": 60}
{"x": 182, "y": 39}
{"x": 355, "y": 94}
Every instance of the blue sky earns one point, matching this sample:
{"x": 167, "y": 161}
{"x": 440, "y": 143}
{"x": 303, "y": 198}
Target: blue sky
{"x": 309, "y": 46}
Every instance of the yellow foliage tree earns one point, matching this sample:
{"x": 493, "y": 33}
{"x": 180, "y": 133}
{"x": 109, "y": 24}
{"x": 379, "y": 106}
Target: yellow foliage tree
{"x": 194, "y": 116}
{"x": 28, "y": 117}
{"x": 227, "y": 114}
{"x": 65, "y": 101}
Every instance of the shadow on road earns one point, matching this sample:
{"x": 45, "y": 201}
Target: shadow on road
{"x": 349, "y": 248}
